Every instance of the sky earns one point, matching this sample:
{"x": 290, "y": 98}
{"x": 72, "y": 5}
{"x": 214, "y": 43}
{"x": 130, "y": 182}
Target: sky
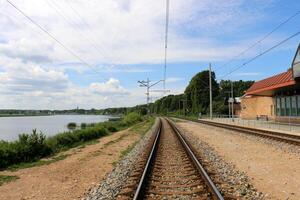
{"x": 109, "y": 45}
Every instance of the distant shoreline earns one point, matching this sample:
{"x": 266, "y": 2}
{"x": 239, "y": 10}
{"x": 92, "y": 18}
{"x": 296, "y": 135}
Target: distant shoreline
{"x": 38, "y": 115}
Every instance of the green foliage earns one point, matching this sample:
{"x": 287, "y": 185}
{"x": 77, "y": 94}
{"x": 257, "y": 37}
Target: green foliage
{"x": 197, "y": 92}
{"x": 112, "y": 129}
{"x": 41, "y": 162}
{"x": 132, "y": 118}
{"x": 71, "y": 139}
{"x": 6, "y": 179}
{"x": 194, "y": 100}
{"x": 239, "y": 87}
{"x": 29, "y": 148}
{"x": 83, "y": 125}
{"x": 72, "y": 125}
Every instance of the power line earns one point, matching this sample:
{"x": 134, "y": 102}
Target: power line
{"x": 92, "y": 33}
{"x": 260, "y": 40}
{"x": 72, "y": 23}
{"x": 261, "y": 54}
{"x": 51, "y": 36}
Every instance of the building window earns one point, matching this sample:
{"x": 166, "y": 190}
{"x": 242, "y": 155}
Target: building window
{"x": 288, "y": 106}
{"x": 278, "y": 111}
{"x": 282, "y": 112}
{"x": 294, "y": 106}
{"x": 298, "y": 105}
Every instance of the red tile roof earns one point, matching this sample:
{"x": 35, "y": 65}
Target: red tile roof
{"x": 271, "y": 83}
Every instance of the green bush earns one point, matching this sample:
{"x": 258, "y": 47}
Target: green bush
{"x": 27, "y": 148}
{"x": 112, "y": 129}
{"x": 132, "y": 118}
{"x": 71, "y": 125}
{"x": 31, "y": 147}
{"x": 83, "y": 125}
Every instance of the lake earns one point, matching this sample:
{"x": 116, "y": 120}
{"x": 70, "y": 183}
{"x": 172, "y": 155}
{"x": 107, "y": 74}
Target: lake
{"x": 11, "y": 127}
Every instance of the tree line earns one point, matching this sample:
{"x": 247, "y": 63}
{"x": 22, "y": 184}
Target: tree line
{"x": 195, "y": 98}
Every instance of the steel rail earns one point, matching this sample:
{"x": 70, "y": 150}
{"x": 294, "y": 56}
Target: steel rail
{"x": 284, "y": 137}
{"x": 139, "y": 191}
{"x": 209, "y": 183}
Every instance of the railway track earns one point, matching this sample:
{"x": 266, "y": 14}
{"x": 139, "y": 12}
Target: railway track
{"x": 287, "y": 138}
{"x": 169, "y": 170}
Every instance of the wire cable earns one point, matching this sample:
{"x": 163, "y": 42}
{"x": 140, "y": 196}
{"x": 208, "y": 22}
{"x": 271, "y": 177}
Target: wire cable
{"x": 52, "y": 37}
{"x": 73, "y": 24}
{"x": 261, "y": 54}
{"x": 260, "y": 40}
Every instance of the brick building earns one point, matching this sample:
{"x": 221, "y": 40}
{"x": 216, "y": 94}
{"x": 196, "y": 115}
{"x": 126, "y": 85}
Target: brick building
{"x": 275, "y": 98}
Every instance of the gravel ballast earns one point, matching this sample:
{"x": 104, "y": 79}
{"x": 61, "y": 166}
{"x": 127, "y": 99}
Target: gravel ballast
{"x": 114, "y": 181}
{"x": 233, "y": 182}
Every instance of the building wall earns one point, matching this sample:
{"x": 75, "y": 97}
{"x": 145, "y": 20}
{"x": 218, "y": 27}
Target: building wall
{"x": 254, "y": 106}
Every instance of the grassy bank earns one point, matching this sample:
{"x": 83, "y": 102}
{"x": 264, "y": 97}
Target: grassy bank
{"x": 6, "y": 179}
{"x": 32, "y": 147}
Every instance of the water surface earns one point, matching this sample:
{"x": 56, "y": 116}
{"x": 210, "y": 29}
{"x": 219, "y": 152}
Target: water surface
{"x": 11, "y": 127}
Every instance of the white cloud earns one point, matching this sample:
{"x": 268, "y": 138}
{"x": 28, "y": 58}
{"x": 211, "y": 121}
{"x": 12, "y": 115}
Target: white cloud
{"x": 173, "y": 79}
{"x": 124, "y": 31}
{"x": 35, "y": 71}
{"x": 17, "y": 77}
{"x": 111, "y": 87}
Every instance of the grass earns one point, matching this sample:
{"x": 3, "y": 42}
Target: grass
{"x": 7, "y": 179}
{"x": 115, "y": 141}
{"x": 127, "y": 150}
{"x": 30, "y": 149}
{"x": 141, "y": 129}
{"x": 87, "y": 143}
{"x": 37, "y": 163}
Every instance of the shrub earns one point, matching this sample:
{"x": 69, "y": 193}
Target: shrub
{"x": 112, "y": 129}
{"x": 31, "y": 147}
{"x": 83, "y": 125}
{"x": 71, "y": 125}
{"x": 132, "y": 118}
{"x": 27, "y": 148}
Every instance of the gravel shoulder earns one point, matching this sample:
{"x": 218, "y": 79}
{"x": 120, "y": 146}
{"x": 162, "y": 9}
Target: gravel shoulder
{"x": 110, "y": 187}
{"x": 72, "y": 177}
{"x": 272, "y": 167}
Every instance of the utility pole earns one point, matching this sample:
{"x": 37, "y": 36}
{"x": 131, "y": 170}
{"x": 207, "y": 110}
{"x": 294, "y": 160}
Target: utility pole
{"x": 166, "y": 45}
{"x": 148, "y": 86}
{"x": 210, "y": 93}
{"x": 229, "y": 109}
{"x": 232, "y": 103}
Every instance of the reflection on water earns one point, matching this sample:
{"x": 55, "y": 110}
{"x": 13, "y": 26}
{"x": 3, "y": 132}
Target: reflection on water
{"x": 11, "y": 127}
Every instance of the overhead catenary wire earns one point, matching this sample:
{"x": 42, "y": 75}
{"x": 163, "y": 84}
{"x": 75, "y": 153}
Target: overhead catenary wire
{"x": 52, "y": 36}
{"x": 73, "y": 24}
{"x": 260, "y": 40}
{"x": 89, "y": 29}
{"x": 261, "y": 54}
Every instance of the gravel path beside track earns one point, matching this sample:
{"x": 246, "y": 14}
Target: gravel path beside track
{"x": 110, "y": 187}
{"x": 271, "y": 166}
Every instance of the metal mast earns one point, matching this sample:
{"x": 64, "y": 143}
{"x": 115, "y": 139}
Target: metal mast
{"x": 210, "y": 93}
{"x": 166, "y": 43}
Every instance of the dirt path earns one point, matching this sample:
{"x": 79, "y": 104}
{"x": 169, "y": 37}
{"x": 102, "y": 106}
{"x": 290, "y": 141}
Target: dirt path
{"x": 274, "y": 172}
{"x": 72, "y": 177}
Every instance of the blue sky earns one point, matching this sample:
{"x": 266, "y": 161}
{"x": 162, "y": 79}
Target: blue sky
{"x": 123, "y": 42}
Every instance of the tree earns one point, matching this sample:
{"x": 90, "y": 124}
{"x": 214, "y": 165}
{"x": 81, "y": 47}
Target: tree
{"x": 197, "y": 92}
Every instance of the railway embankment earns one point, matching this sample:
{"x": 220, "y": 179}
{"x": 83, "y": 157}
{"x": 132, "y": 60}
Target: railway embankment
{"x": 271, "y": 166}
{"x": 80, "y": 169}
{"x": 110, "y": 187}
